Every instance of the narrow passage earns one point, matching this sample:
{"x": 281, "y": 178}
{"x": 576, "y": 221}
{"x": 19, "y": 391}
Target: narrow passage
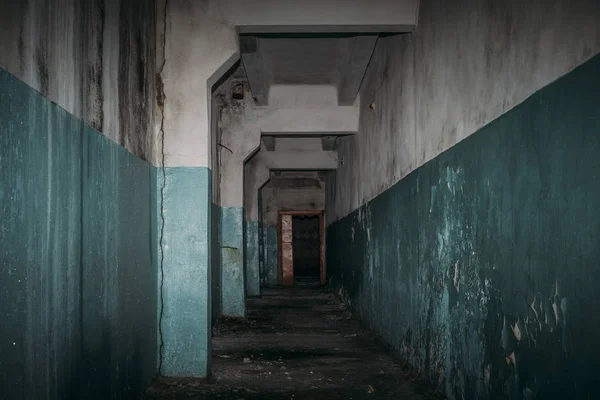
{"x": 296, "y": 343}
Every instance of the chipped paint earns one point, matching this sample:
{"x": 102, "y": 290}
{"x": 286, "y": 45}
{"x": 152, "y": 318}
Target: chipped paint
{"x": 479, "y": 267}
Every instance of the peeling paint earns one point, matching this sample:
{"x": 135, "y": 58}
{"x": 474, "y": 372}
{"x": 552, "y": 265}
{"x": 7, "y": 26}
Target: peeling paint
{"x": 479, "y": 267}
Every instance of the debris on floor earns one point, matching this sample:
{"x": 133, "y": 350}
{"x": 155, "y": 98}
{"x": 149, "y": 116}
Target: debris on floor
{"x": 296, "y": 344}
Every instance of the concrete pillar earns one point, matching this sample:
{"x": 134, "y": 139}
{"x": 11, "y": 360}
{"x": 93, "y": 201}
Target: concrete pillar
{"x": 239, "y": 140}
{"x": 194, "y": 50}
{"x": 270, "y": 214}
{"x": 255, "y": 177}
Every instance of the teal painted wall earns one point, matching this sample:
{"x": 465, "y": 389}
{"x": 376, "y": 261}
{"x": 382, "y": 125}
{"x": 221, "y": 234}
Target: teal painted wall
{"x": 481, "y": 266}
{"x": 184, "y": 262}
{"x": 216, "y": 262}
{"x": 252, "y": 268}
{"x": 232, "y": 262}
{"x": 271, "y": 260}
{"x": 77, "y": 285}
{"x": 119, "y": 279}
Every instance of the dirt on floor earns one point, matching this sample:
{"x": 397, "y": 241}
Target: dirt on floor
{"x": 296, "y": 343}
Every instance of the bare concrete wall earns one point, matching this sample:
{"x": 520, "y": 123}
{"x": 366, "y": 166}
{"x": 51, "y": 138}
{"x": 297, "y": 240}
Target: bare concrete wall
{"x": 286, "y": 199}
{"x": 95, "y": 59}
{"x": 467, "y": 63}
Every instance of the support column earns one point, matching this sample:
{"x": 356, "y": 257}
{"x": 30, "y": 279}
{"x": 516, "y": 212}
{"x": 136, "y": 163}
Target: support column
{"x": 187, "y": 71}
{"x": 270, "y": 236}
{"x": 256, "y": 176}
{"x": 239, "y": 140}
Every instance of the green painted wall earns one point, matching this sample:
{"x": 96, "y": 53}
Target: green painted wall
{"x": 232, "y": 262}
{"x": 481, "y": 266}
{"x": 271, "y": 260}
{"x": 252, "y": 269}
{"x": 184, "y": 265}
{"x": 77, "y": 285}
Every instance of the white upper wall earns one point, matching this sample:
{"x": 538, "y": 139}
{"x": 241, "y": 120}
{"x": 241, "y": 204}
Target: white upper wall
{"x": 467, "y": 63}
{"x": 94, "y": 59}
{"x": 201, "y": 42}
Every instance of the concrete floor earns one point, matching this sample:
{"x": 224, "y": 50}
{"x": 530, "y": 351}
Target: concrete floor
{"x": 298, "y": 343}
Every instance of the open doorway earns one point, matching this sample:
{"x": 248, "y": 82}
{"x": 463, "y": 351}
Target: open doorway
{"x": 301, "y": 248}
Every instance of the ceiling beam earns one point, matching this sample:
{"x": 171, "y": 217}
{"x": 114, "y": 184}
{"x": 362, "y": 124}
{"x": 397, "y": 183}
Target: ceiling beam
{"x": 293, "y": 16}
{"x": 269, "y": 142}
{"x": 354, "y": 59}
{"x": 328, "y": 143}
{"x": 256, "y": 71}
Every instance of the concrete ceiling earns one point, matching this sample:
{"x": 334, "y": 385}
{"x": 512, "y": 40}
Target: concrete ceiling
{"x": 324, "y": 143}
{"x": 301, "y": 60}
{"x": 340, "y": 60}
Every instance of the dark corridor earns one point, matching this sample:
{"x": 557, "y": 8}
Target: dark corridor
{"x": 306, "y": 248}
{"x": 300, "y": 344}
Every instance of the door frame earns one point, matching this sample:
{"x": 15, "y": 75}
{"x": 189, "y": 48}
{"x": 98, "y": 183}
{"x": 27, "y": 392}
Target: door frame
{"x": 322, "y": 266}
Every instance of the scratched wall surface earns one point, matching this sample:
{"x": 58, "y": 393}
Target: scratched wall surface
{"x": 77, "y": 286}
{"x": 481, "y": 266}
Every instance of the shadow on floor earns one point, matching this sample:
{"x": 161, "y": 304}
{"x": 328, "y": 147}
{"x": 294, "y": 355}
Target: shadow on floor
{"x": 296, "y": 343}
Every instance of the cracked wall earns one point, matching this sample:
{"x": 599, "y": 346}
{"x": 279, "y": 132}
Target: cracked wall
{"x": 76, "y": 108}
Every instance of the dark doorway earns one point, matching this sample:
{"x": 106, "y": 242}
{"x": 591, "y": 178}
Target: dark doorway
{"x": 301, "y": 247}
{"x": 306, "y": 244}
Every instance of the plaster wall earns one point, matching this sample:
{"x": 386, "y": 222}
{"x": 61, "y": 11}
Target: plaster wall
{"x": 187, "y": 75}
{"x": 94, "y": 59}
{"x": 466, "y": 63}
{"x": 480, "y": 267}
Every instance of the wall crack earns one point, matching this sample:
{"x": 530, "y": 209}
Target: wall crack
{"x": 160, "y": 100}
